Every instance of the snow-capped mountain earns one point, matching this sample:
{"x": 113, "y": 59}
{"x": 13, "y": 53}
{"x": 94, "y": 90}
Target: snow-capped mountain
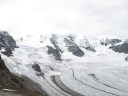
{"x": 64, "y": 65}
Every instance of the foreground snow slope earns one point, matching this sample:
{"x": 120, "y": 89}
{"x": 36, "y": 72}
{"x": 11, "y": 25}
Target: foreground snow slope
{"x": 100, "y": 73}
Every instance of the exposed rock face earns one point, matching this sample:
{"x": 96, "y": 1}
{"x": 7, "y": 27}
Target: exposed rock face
{"x": 74, "y": 48}
{"x": 55, "y": 43}
{"x": 90, "y": 48}
{"x": 7, "y": 42}
{"x": 110, "y": 41}
{"x": 126, "y": 59}
{"x": 36, "y": 67}
{"x": 94, "y": 76}
{"x": 55, "y": 53}
{"x": 84, "y": 43}
{"x": 2, "y": 65}
{"x": 122, "y": 48}
{"x": 22, "y": 84}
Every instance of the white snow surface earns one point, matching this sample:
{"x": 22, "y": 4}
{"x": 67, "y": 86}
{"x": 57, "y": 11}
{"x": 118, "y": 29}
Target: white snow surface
{"x": 100, "y": 73}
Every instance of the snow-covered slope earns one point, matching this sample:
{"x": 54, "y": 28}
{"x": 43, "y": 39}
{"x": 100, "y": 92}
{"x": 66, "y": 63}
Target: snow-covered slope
{"x": 87, "y": 68}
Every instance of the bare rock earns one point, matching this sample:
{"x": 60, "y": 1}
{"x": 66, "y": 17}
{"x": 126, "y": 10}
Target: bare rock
{"x": 24, "y": 85}
{"x": 36, "y": 67}
{"x": 73, "y": 48}
{"x": 112, "y": 42}
{"x": 55, "y": 52}
{"x": 126, "y": 59}
{"x": 7, "y": 43}
{"x": 121, "y": 48}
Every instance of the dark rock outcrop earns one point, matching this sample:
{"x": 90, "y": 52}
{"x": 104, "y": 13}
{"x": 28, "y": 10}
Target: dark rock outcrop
{"x": 71, "y": 37}
{"x": 121, "y": 48}
{"x": 74, "y": 48}
{"x": 38, "y": 70}
{"x": 22, "y": 84}
{"x": 112, "y": 42}
{"x": 89, "y": 48}
{"x": 53, "y": 40}
{"x": 36, "y": 67}
{"x": 94, "y": 76}
{"x": 2, "y": 65}
{"x": 55, "y": 52}
{"x": 7, "y": 51}
{"x": 126, "y": 59}
{"x": 7, "y": 43}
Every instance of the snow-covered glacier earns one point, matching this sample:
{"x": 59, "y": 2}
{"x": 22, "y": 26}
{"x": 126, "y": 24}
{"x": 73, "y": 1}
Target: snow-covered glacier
{"x": 69, "y": 65}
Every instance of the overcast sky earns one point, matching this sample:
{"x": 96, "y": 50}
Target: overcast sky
{"x": 89, "y": 17}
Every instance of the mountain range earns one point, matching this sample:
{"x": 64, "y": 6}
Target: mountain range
{"x": 64, "y": 65}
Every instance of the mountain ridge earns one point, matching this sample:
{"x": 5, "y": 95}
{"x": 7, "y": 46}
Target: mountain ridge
{"x": 60, "y": 63}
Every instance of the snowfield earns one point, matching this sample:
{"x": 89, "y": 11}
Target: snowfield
{"x": 100, "y": 73}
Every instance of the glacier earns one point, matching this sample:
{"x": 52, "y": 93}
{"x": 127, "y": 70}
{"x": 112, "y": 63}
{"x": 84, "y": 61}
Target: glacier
{"x": 102, "y": 72}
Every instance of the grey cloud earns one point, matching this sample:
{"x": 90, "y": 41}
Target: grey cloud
{"x": 90, "y": 17}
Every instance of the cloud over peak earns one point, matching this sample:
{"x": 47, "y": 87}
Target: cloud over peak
{"x": 90, "y": 17}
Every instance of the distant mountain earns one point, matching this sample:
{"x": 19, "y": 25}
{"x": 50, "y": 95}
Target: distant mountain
{"x": 77, "y": 45}
{"x": 121, "y": 48}
{"x": 55, "y": 65}
{"x": 111, "y": 42}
